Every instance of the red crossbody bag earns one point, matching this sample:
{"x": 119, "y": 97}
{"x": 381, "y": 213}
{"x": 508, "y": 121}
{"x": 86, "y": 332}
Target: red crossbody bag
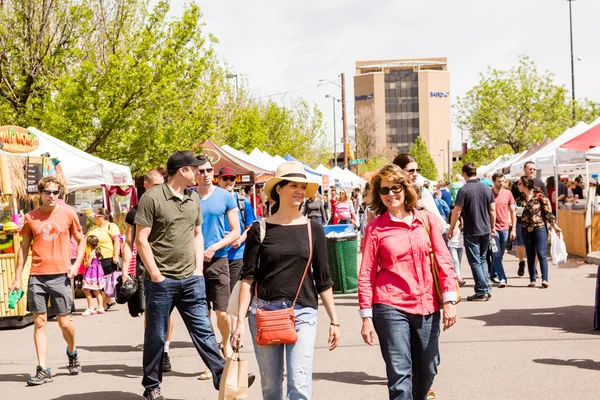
{"x": 279, "y": 326}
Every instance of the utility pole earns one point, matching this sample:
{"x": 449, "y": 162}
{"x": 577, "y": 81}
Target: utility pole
{"x": 344, "y": 125}
{"x": 572, "y": 62}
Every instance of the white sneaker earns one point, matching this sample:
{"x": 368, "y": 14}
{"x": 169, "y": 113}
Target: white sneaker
{"x": 502, "y": 284}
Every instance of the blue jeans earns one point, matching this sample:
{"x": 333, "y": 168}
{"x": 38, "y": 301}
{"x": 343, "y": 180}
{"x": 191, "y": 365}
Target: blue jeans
{"x": 476, "y": 249}
{"x": 189, "y": 296}
{"x": 299, "y": 356}
{"x": 497, "y": 266}
{"x": 456, "y": 254}
{"x": 536, "y": 243}
{"x": 409, "y": 345}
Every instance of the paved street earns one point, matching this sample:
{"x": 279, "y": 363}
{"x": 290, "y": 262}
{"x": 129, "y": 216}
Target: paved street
{"x": 523, "y": 344}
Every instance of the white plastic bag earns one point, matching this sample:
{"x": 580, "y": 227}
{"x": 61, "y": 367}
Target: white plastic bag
{"x": 558, "y": 248}
{"x": 232, "y": 307}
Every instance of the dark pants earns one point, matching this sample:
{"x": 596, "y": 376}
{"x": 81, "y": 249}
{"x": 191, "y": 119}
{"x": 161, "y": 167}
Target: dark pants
{"x": 410, "y": 348}
{"x": 476, "y": 248}
{"x": 189, "y": 296}
{"x": 536, "y": 243}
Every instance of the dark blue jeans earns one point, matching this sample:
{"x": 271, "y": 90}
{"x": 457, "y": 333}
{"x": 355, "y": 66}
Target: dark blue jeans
{"x": 476, "y": 249}
{"x": 189, "y": 296}
{"x": 410, "y": 348}
{"x": 497, "y": 266}
{"x": 536, "y": 243}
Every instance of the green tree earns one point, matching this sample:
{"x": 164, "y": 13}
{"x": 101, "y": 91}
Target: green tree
{"x": 419, "y": 151}
{"x": 147, "y": 86}
{"x": 509, "y": 111}
{"x": 39, "y": 41}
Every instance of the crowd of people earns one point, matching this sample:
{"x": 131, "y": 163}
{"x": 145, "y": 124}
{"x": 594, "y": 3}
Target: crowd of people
{"x": 272, "y": 252}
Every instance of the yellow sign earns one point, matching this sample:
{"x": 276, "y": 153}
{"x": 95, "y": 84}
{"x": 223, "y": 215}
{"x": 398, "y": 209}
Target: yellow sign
{"x": 18, "y": 140}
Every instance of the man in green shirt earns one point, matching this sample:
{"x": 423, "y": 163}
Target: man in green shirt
{"x": 169, "y": 241}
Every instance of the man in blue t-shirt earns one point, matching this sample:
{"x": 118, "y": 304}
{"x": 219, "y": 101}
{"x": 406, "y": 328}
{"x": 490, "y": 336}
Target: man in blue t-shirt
{"x": 217, "y": 205}
{"x": 235, "y": 252}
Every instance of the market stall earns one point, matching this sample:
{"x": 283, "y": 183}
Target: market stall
{"x": 19, "y": 175}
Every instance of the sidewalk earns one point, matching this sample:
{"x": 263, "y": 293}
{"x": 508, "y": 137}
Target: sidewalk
{"x": 525, "y": 343}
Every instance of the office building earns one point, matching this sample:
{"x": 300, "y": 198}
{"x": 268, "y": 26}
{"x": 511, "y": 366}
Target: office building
{"x": 409, "y": 98}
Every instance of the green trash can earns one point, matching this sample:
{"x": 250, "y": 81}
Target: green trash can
{"x": 343, "y": 263}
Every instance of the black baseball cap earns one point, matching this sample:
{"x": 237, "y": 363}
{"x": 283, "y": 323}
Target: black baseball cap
{"x": 227, "y": 171}
{"x": 182, "y": 159}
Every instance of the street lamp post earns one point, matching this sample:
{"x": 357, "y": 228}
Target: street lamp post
{"x": 230, "y": 76}
{"x": 334, "y": 134}
{"x": 572, "y": 62}
{"x": 342, "y": 86}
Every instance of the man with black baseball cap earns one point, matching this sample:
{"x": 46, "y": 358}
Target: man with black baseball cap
{"x": 170, "y": 243}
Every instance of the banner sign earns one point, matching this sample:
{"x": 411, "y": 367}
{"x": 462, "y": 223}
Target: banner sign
{"x": 17, "y": 140}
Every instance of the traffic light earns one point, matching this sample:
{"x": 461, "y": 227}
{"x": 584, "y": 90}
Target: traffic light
{"x": 349, "y": 151}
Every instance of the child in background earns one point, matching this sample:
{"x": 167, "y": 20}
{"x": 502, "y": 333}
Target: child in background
{"x": 93, "y": 280}
{"x": 455, "y": 245}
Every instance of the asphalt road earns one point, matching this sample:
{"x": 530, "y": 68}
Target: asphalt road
{"x": 525, "y": 343}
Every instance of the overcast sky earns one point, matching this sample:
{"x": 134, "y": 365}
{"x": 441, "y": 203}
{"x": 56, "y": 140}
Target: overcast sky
{"x": 287, "y": 46}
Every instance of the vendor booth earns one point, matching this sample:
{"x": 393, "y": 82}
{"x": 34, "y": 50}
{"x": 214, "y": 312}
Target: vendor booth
{"x": 581, "y": 227}
{"x": 19, "y": 175}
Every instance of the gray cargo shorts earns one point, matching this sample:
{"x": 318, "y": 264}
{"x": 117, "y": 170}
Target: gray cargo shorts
{"x": 55, "y": 287}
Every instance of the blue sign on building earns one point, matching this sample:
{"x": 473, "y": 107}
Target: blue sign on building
{"x": 439, "y": 94}
{"x": 364, "y": 97}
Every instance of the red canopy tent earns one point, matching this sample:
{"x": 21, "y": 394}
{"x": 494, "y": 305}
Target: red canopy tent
{"x": 247, "y": 174}
{"x": 584, "y": 142}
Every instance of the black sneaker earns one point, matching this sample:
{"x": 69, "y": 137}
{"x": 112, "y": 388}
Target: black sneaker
{"x": 166, "y": 363}
{"x": 153, "y": 394}
{"x": 521, "y": 270}
{"x": 74, "y": 365}
{"x": 478, "y": 297}
{"x": 41, "y": 376}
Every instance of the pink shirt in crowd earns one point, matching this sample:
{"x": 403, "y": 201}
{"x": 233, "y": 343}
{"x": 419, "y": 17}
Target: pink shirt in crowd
{"x": 396, "y": 269}
{"x": 503, "y": 201}
{"x": 344, "y": 210}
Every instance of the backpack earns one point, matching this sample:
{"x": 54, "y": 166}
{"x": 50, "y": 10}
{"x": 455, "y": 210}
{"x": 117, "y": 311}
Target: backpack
{"x": 241, "y": 203}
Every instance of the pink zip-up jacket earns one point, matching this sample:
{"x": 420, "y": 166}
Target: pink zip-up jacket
{"x": 396, "y": 268}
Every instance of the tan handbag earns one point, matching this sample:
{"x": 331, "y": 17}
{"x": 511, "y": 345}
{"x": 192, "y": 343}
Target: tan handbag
{"x": 279, "y": 326}
{"x": 435, "y": 269}
{"x": 234, "y": 381}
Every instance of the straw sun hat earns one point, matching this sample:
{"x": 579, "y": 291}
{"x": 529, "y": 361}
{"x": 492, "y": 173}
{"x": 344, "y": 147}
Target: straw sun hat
{"x": 291, "y": 171}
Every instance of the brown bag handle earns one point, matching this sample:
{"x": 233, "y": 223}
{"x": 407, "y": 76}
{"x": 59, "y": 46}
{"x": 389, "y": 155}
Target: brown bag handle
{"x": 310, "y": 253}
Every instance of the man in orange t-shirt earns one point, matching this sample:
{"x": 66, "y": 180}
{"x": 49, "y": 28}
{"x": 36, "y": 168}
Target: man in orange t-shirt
{"x": 47, "y": 231}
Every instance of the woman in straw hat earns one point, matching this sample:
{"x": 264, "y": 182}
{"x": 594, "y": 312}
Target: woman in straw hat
{"x": 277, "y": 264}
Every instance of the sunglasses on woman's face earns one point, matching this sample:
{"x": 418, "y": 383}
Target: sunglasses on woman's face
{"x": 413, "y": 170}
{"x": 228, "y": 178}
{"x": 386, "y": 190}
{"x": 49, "y": 192}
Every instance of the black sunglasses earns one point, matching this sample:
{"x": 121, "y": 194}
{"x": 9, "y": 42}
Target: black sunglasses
{"x": 49, "y": 192}
{"x": 228, "y": 178}
{"x": 412, "y": 171}
{"x": 205, "y": 171}
{"x": 386, "y": 190}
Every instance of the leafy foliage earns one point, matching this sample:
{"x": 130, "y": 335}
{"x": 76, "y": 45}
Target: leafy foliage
{"x": 131, "y": 85}
{"x": 509, "y": 111}
{"x": 419, "y": 151}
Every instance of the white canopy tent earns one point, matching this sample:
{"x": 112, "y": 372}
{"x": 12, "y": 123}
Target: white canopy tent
{"x": 481, "y": 171}
{"x": 567, "y": 156}
{"x": 82, "y": 170}
{"x": 345, "y": 177}
{"x": 544, "y": 158}
{"x": 322, "y": 170}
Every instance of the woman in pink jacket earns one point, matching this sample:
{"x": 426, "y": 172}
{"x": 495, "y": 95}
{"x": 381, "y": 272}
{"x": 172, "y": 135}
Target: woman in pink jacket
{"x": 396, "y": 292}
